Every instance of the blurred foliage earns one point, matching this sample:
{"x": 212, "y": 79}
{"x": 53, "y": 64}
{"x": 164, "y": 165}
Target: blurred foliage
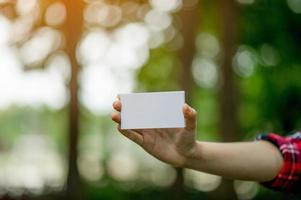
{"x": 160, "y": 73}
{"x": 16, "y": 121}
{"x": 271, "y": 97}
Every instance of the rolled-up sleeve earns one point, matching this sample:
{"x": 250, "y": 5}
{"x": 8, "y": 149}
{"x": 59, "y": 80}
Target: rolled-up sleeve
{"x": 289, "y": 177}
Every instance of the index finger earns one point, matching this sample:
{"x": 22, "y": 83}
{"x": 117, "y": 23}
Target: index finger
{"x": 117, "y": 105}
{"x": 190, "y": 117}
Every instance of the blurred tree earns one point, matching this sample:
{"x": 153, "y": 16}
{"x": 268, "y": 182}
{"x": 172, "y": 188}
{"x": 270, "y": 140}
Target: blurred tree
{"x": 190, "y": 20}
{"x": 228, "y": 91}
{"x": 73, "y": 31}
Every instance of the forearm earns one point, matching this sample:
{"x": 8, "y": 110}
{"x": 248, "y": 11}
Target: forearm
{"x": 257, "y": 161}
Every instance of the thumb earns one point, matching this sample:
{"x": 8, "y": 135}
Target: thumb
{"x": 190, "y": 117}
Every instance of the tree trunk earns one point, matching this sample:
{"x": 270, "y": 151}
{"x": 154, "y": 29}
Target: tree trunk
{"x": 189, "y": 20}
{"x": 228, "y": 91}
{"x": 73, "y": 33}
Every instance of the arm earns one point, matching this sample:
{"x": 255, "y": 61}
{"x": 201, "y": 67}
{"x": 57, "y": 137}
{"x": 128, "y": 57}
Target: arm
{"x": 258, "y": 161}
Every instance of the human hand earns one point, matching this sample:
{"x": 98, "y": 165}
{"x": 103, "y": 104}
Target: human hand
{"x": 178, "y": 147}
{"x": 171, "y": 145}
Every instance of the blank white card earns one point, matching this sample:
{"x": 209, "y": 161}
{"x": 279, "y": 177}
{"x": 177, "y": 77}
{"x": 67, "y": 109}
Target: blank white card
{"x": 152, "y": 110}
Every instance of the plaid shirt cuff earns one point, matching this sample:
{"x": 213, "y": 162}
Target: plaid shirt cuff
{"x": 289, "y": 177}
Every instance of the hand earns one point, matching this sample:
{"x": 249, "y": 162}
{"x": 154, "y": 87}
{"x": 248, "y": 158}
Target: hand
{"x": 171, "y": 145}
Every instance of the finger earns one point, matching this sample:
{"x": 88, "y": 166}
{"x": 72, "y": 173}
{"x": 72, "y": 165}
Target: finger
{"x": 144, "y": 131}
{"x": 132, "y": 135}
{"x": 190, "y": 117}
{"x": 117, "y": 105}
{"x": 116, "y": 117}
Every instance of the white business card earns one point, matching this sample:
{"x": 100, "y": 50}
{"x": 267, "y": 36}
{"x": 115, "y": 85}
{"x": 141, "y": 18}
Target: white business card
{"x": 152, "y": 110}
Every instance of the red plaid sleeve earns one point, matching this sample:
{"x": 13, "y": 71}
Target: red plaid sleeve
{"x": 289, "y": 177}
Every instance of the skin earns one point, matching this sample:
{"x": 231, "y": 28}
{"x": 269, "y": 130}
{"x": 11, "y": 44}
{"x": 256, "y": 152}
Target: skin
{"x": 256, "y": 161}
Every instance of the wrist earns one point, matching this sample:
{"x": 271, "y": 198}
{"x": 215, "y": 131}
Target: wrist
{"x": 194, "y": 155}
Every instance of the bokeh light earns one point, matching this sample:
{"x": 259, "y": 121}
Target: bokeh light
{"x": 33, "y": 88}
{"x": 90, "y": 159}
{"x": 166, "y": 5}
{"x": 162, "y": 175}
{"x": 246, "y": 2}
{"x": 100, "y": 87}
{"x": 21, "y": 28}
{"x": 55, "y": 14}
{"x": 123, "y": 167}
{"x": 5, "y": 33}
{"x": 157, "y": 20}
{"x": 294, "y": 5}
{"x": 26, "y": 166}
{"x": 205, "y": 72}
{"x": 93, "y": 47}
{"x": 201, "y": 181}
{"x": 128, "y": 46}
{"x": 109, "y": 15}
{"x": 245, "y": 61}
{"x": 33, "y": 53}
{"x": 245, "y": 189}
{"x": 24, "y": 7}
{"x": 207, "y": 45}
{"x": 269, "y": 55}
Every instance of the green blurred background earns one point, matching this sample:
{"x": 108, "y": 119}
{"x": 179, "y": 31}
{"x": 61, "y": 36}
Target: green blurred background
{"x": 63, "y": 62}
